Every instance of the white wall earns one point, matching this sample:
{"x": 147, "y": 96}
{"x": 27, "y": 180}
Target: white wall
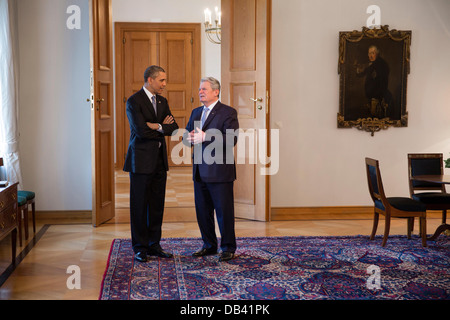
{"x": 54, "y": 117}
{"x": 321, "y": 165}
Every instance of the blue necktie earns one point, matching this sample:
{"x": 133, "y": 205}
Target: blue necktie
{"x": 205, "y": 115}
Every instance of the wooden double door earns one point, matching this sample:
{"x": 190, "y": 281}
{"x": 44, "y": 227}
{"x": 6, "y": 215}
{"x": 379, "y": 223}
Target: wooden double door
{"x": 174, "y": 47}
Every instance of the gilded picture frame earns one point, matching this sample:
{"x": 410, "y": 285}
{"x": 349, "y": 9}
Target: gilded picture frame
{"x": 374, "y": 65}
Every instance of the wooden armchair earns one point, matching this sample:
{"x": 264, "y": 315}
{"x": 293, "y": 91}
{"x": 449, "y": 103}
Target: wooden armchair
{"x": 393, "y": 207}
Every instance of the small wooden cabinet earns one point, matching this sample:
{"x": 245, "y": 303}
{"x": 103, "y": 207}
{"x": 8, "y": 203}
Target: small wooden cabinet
{"x": 9, "y": 215}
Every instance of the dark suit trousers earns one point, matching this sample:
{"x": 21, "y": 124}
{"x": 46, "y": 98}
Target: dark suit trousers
{"x": 147, "y": 195}
{"x": 218, "y": 197}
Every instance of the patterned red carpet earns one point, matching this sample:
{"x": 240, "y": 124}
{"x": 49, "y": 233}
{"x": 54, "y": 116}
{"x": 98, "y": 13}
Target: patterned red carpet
{"x": 285, "y": 268}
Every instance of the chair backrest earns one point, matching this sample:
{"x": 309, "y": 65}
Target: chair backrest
{"x": 425, "y": 164}
{"x": 375, "y": 183}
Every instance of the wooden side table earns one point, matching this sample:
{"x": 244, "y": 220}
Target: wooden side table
{"x": 441, "y": 179}
{"x": 9, "y": 215}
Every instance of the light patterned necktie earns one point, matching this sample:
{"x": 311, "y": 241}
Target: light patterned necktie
{"x": 154, "y": 103}
{"x": 154, "y": 107}
{"x": 205, "y": 115}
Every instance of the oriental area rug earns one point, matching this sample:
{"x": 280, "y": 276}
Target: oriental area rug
{"x": 285, "y": 268}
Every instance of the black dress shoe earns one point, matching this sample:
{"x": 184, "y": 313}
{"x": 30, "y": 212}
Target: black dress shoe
{"x": 140, "y": 256}
{"x": 226, "y": 256}
{"x": 159, "y": 253}
{"x": 204, "y": 252}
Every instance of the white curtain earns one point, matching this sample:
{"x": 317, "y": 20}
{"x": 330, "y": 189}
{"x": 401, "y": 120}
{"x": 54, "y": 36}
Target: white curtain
{"x": 9, "y": 97}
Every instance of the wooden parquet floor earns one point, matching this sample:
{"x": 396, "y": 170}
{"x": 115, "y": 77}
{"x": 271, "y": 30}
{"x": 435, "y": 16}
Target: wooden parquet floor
{"x": 44, "y": 259}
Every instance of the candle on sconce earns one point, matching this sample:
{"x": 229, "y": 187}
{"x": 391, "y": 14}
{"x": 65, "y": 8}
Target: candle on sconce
{"x": 208, "y": 16}
{"x": 218, "y": 17}
{"x": 213, "y": 32}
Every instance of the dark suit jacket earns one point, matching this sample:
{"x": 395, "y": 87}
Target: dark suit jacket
{"x": 223, "y": 168}
{"x": 144, "y": 142}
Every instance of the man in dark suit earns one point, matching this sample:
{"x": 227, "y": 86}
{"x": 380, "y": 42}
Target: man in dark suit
{"x": 212, "y": 130}
{"x": 150, "y": 120}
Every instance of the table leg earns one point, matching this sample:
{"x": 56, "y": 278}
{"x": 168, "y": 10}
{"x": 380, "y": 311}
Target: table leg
{"x": 14, "y": 245}
{"x": 443, "y": 227}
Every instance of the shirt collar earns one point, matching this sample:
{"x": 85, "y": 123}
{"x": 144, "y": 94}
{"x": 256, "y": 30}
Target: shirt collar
{"x": 211, "y": 106}
{"x": 149, "y": 94}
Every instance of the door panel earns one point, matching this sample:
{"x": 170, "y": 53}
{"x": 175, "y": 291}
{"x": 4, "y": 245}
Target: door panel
{"x": 176, "y": 59}
{"x": 243, "y": 35}
{"x": 140, "y": 52}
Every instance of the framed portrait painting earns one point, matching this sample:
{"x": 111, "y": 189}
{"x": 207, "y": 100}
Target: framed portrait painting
{"x": 373, "y": 67}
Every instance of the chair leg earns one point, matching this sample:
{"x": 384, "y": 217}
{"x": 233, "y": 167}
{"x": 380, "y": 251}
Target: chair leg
{"x": 14, "y": 245}
{"x": 423, "y": 231}
{"x": 410, "y": 227}
{"x": 387, "y": 226}
{"x": 33, "y": 212}
{"x": 375, "y": 225}
{"x": 19, "y": 225}
{"x": 25, "y": 221}
{"x": 444, "y": 216}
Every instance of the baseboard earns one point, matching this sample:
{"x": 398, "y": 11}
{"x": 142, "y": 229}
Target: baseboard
{"x": 171, "y": 214}
{"x": 330, "y": 213}
{"x": 321, "y": 213}
{"x": 277, "y": 214}
{"x": 64, "y": 215}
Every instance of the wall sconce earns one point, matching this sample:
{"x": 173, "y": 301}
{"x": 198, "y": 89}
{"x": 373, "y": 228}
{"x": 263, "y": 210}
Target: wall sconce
{"x": 213, "y": 33}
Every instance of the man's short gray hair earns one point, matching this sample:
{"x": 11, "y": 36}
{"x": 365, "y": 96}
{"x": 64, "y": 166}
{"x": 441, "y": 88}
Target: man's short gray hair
{"x": 215, "y": 84}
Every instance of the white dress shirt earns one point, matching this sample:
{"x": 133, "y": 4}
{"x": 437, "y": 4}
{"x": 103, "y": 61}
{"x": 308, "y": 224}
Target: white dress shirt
{"x": 211, "y": 106}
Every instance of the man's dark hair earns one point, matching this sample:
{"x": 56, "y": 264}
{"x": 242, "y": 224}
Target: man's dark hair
{"x": 152, "y": 72}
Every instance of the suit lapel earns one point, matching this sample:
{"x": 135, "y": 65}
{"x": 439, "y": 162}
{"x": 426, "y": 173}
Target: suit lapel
{"x": 159, "y": 107}
{"x": 147, "y": 103}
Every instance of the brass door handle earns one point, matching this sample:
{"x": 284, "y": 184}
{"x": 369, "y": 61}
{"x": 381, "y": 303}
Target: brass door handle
{"x": 256, "y": 100}
{"x": 99, "y": 101}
